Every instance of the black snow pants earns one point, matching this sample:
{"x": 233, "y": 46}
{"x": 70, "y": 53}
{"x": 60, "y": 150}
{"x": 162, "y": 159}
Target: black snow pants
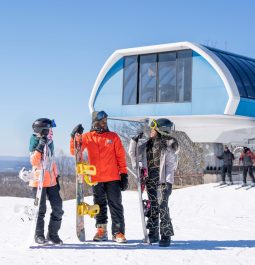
{"x": 158, "y": 195}
{"x": 226, "y": 169}
{"x": 247, "y": 169}
{"x": 57, "y": 210}
{"x": 109, "y": 193}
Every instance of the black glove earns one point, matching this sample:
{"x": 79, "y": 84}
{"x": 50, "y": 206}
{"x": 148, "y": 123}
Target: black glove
{"x": 175, "y": 144}
{"x": 137, "y": 137}
{"x": 77, "y": 129}
{"x": 57, "y": 179}
{"x": 41, "y": 144}
{"x": 123, "y": 181}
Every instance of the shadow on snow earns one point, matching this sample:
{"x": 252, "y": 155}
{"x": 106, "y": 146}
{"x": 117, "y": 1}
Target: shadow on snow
{"x": 175, "y": 245}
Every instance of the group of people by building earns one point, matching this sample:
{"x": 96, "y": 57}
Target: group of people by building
{"x": 157, "y": 156}
{"x": 246, "y": 159}
{"x": 106, "y": 152}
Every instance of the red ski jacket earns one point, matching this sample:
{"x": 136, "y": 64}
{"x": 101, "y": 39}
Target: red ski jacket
{"x": 105, "y": 152}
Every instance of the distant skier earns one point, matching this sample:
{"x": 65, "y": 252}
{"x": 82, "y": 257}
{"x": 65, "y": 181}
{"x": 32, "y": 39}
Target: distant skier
{"x": 228, "y": 159}
{"x": 106, "y": 153}
{"x": 42, "y": 136}
{"x": 159, "y": 158}
{"x": 247, "y": 158}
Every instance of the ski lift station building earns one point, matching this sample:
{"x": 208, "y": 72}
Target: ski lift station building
{"x": 208, "y": 93}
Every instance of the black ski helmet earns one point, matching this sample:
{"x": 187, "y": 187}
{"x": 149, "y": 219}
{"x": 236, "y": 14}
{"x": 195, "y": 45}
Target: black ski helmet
{"x": 43, "y": 124}
{"x": 162, "y": 125}
{"x": 246, "y": 149}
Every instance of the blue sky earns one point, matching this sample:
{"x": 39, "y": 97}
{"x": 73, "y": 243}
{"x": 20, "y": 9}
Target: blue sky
{"x": 51, "y": 52}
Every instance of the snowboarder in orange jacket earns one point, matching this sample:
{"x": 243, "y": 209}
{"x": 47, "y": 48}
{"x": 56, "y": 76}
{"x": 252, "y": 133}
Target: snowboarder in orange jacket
{"x": 107, "y": 154}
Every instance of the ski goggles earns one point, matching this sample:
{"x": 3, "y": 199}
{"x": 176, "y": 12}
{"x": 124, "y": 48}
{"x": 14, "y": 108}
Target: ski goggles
{"x": 101, "y": 115}
{"x": 53, "y": 124}
{"x": 50, "y": 124}
{"x": 153, "y": 124}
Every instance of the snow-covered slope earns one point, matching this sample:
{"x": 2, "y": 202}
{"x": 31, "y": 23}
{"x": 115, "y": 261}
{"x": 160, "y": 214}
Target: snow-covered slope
{"x": 212, "y": 226}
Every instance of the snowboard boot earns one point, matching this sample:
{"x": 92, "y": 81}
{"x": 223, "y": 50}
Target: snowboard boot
{"x": 40, "y": 239}
{"x": 55, "y": 239}
{"x": 101, "y": 234}
{"x": 52, "y": 235}
{"x": 153, "y": 236}
{"x": 165, "y": 241}
{"x": 119, "y": 238}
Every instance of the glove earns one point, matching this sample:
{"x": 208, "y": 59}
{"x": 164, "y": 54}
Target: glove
{"x": 57, "y": 179}
{"x": 77, "y": 129}
{"x": 139, "y": 136}
{"x": 123, "y": 181}
{"x": 41, "y": 144}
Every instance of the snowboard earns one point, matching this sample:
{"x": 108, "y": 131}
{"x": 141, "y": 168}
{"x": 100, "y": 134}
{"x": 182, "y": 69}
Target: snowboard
{"x": 38, "y": 196}
{"x": 143, "y": 203}
{"x": 80, "y": 228}
{"x": 84, "y": 171}
{"x": 26, "y": 212}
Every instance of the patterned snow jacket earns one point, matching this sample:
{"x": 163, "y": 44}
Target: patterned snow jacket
{"x": 168, "y": 158}
{"x": 51, "y": 172}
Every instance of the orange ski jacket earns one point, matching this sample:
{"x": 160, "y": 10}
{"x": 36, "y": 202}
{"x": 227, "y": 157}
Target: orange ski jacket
{"x": 50, "y": 174}
{"x": 105, "y": 152}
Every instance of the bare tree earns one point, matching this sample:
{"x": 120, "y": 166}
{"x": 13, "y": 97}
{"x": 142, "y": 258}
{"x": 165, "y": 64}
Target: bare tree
{"x": 65, "y": 164}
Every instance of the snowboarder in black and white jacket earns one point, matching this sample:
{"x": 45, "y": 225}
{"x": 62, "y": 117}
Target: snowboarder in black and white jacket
{"x": 158, "y": 156}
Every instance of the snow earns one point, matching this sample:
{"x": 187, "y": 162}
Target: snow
{"x": 212, "y": 226}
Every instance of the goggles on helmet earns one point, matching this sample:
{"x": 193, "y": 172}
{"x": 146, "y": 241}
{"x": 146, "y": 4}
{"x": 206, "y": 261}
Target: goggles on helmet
{"x": 101, "y": 115}
{"x": 162, "y": 128}
{"x": 153, "y": 124}
{"x": 53, "y": 124}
